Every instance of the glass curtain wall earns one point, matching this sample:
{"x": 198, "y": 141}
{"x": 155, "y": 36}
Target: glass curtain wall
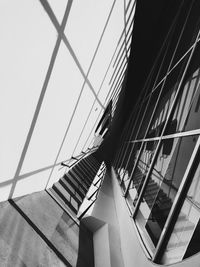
{"x": 158, "y": 160}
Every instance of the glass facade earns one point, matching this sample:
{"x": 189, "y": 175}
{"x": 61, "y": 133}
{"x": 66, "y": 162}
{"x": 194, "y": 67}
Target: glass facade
{"x": 158, "y": 158}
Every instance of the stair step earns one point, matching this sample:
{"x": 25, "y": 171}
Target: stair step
{"x": 88, "y": 176}
{"x": 90, "y": 173}
{"x": 79, "y": 177}
{"x": 173, "y": 256}
{"x": 76, "y": 187}
{"x": 89, "y": 165}
{"x": 66, "y": 196}
{"x": 83, "y": 177}
{"x": 75, "y": 180}
{"x": 73, "y": 194}
{"x": 152, "y": 190}
{"x": 93, "y": 161}
{"x": 58, "y": 195}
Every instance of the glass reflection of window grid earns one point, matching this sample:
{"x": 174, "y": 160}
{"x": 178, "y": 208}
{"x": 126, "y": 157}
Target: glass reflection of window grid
{"x": 184, "y": 240}
{"x": 139, "y": 173}
{"x": 163, "y": 185}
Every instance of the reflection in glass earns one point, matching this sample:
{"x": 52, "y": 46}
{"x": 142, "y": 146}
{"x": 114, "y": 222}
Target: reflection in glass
{"x": 187, "y": 109}
{"x": 121, "y": 173}
{"x": 163, "y": 185}
{"x": 140, "y": 173}
{"x": 132, "y": 154}
{"x": 171, "y": 84}
{"x": 184, "y": 240}
{"x": 147, "y": 110}
{"x": 161, "y": 115}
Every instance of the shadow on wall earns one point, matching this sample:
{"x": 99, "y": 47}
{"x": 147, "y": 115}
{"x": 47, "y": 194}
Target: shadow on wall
{"x": 34, "y": 231}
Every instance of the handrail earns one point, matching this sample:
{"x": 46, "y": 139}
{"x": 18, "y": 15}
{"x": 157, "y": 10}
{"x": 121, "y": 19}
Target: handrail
{"x": 82, "y": 155}
{"x": 96, "y": 191}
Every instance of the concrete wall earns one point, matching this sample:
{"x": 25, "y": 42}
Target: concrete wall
{"x": 34, "y": 231}
{"x": 104, "y": 224}
{"x": 116, "y": 242}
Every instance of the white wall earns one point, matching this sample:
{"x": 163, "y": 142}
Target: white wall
{"x": 104, "y": 211}
{"x": 28, "y": 39}
{"x": 114, "y": 230}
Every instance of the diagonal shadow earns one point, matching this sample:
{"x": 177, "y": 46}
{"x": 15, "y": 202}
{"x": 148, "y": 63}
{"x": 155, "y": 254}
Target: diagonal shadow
{"x": 37, "y": 230}
{"x": 28, "y": 174}
{"x": 55, "y": 22}
{"x": 41, "y": 98}
{"x": 86, "y": 77}
{"x": 105, "y": 78}
{"x": 105, "y": 26}
{"x": 125, "y": 33}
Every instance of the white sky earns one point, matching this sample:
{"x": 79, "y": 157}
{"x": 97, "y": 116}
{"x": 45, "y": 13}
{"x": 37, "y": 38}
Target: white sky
{"x": 27, "y": 42}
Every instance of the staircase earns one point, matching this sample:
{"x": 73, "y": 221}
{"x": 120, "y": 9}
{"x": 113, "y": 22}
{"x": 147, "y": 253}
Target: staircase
{"x": 72, "y": 188}
{"x": 182, "y": 242}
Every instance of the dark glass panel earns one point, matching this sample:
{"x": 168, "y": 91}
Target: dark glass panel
{"x": 184, "y": 239}
{"x": 187, "y": 109}
{"x": 134, "y": 151}
{"x": 163, "y": 185}
{"x": 140, "y": 172}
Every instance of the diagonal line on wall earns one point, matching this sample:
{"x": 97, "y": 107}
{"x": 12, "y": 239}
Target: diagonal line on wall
{"x": 41, "y": 98}
{"x": 69, "y": 47}
{"x": 95, "y": 53}
{"x": 86, "y": 79}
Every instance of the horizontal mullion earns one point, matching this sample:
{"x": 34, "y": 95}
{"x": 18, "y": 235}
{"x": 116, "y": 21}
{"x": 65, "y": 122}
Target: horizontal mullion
{"x": 174, "y": 66}
{"x": 169, "y": 136}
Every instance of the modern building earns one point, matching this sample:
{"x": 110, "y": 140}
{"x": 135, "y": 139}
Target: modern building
{"x": 127, "y": 194}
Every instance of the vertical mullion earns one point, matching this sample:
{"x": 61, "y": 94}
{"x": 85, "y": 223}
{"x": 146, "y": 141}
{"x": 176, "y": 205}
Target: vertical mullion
{"x": 160, "y": 94}
{"x": 151, "y": 72}
{"x": 176, "y": 202}
{"x": 168, "y": 118}
{"x": 150, "y": 121}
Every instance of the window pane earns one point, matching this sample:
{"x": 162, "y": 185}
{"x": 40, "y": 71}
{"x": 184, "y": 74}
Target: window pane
{"x": 167, "y": 98}
{"x": 148, "y": 108}
{"x": 140, "y": 172}
{"x": 184, "y": 240}
{"x": 187, "y": 110}
{"x": 163, "y": 185}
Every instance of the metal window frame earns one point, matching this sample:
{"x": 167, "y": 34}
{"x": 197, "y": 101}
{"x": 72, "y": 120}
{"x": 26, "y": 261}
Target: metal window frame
{"x": 160, "y": 94}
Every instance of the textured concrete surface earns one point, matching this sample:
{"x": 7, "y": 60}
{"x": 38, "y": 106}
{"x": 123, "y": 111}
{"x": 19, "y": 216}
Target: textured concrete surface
{"x": 34, "y": 231}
